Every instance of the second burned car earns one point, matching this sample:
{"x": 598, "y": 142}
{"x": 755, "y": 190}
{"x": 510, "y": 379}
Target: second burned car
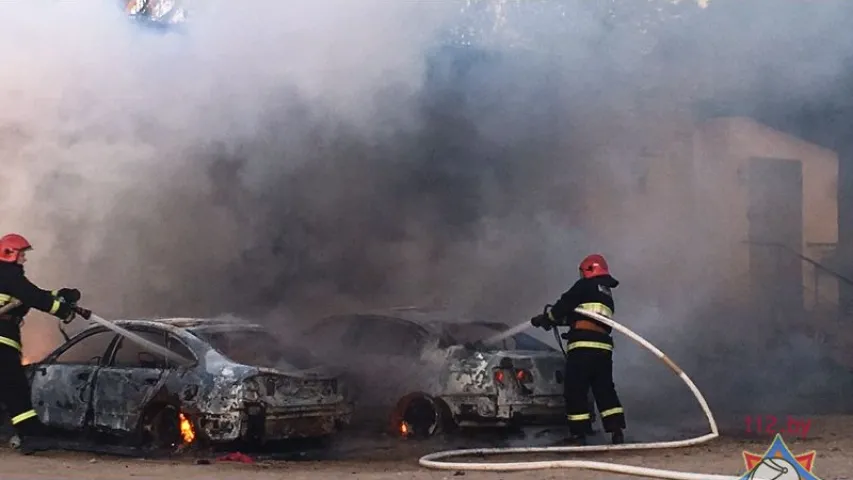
{"x": 235, "y": 383}
{"x": 419, "y": 372}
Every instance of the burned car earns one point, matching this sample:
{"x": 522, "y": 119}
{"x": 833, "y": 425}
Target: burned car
{"x": 426, "y": 371}
{"x": 235, "y": 383}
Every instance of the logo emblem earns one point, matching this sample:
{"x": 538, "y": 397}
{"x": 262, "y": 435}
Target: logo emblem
{"x": 778, "y": 463}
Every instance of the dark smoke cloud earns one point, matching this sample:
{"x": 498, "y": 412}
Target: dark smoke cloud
{"x": 290, "y": 161}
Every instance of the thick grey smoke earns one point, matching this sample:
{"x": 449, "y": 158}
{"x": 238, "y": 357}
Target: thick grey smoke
{"x": 160, "y": 172}
{"x": 307, "y": 159}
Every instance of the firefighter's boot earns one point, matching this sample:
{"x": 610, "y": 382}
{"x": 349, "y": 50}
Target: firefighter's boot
{"x": 574, "y": 440}
{"x": 33, "y": 436}
{"x": 29, "y": 444}
{"x": 617, "y": 437}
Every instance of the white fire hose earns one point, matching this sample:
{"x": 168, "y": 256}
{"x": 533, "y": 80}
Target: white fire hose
{"x": 434, "y": 460}
{"x": 133, "y": 337}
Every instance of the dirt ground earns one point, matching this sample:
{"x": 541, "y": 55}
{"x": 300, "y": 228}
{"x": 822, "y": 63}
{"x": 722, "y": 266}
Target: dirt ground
{"x": 830, "y": 437}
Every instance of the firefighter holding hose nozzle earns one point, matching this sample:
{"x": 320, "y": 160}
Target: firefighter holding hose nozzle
{"x": 589, "y": 350}
{"x": 17, "y": 296}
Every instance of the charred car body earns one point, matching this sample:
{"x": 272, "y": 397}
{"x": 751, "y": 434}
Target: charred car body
{"x": 236, "y": 384}
{"x": 422, "y": 371}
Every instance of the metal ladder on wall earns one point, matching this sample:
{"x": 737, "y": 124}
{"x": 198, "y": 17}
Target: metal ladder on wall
{"x": 830, "y": 321}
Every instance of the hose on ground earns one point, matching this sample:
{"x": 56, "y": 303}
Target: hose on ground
{"x": 438, "y": 461}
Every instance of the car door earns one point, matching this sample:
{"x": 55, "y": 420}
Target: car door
{"x": 62, "y": 383}
{"x": 131, "y": 377}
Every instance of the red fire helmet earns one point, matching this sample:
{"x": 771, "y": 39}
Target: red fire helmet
{"x": 593, "y": 266}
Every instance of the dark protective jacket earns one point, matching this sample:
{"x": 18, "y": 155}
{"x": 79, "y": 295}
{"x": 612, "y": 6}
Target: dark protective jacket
{"x": 15, "y": 285}
{"x": 593, "y": 294}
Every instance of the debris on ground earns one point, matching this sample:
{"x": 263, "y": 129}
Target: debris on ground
{"x": 236, "y": 457}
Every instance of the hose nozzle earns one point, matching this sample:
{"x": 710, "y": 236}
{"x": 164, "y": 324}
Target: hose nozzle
{"x": 83, "y": 312}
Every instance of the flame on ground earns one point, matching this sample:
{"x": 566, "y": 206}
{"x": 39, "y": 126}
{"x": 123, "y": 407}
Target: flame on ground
{"x": 187, "y": 430}
{"x": 404, "y": 429}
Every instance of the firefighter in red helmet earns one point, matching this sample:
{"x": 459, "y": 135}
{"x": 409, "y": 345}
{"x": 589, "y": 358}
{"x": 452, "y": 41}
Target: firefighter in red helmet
{"x": 17, "y": 296}
{"x": 589, "y": 350}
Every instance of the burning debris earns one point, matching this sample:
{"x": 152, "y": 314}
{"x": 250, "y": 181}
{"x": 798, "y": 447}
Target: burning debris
{"x": 187, "y": 429}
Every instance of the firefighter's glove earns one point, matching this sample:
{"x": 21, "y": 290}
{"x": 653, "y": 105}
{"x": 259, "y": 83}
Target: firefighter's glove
{"x": 70, "y": 295}
{"x": 65, "y": 313}
{"x": 541, "y": 321}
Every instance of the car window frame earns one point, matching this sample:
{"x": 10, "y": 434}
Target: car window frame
{"x": 448, "y": 337}
{"x": 502, "y": 327}
{"x": 546, "y": 347}
{"x": 52, "y": 358}
{"x": 348, "y": 323}
{"x": 149, "y": 329}
{"x": 357, "y": 328}
{"x": 205, "y": 335}
{"x": 449, "y": 340}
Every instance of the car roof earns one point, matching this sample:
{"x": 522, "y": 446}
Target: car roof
{"x": 433, "y": 319}
{"x": 190, "y": 323}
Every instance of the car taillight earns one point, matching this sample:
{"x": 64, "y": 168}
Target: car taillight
{"x": 521, "y": 376}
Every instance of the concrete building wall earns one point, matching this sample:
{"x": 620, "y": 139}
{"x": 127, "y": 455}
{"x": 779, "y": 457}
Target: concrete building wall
{"x": 671, "y": 198}
{"x": 722, "y": 149}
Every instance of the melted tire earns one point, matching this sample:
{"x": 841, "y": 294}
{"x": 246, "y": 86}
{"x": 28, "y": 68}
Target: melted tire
{"x": 422, "y": 415}
{"x": 161, "y": 429}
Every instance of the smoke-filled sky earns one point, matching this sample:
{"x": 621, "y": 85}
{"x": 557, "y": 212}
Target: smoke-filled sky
{"x": 306, "y": 158}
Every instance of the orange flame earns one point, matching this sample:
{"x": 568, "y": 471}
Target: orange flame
{"x": 404, "y": 429}
{"x": 187, "y": 430}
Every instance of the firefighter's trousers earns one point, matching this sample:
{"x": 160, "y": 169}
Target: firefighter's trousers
{"x": 15, "y": 393}
{"x": 589, "y": 365}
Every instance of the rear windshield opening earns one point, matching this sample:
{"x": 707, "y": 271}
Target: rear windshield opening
{"x": 475, "y": 334}
{"x": 258, "y": 348}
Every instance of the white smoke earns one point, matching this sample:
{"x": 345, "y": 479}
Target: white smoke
{"x": 317, "y": 156}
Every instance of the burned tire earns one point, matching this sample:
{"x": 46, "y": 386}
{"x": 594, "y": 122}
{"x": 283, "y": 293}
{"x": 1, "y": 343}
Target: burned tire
{"x": 418, "y": 415}
{"x": 160, "y": 428}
